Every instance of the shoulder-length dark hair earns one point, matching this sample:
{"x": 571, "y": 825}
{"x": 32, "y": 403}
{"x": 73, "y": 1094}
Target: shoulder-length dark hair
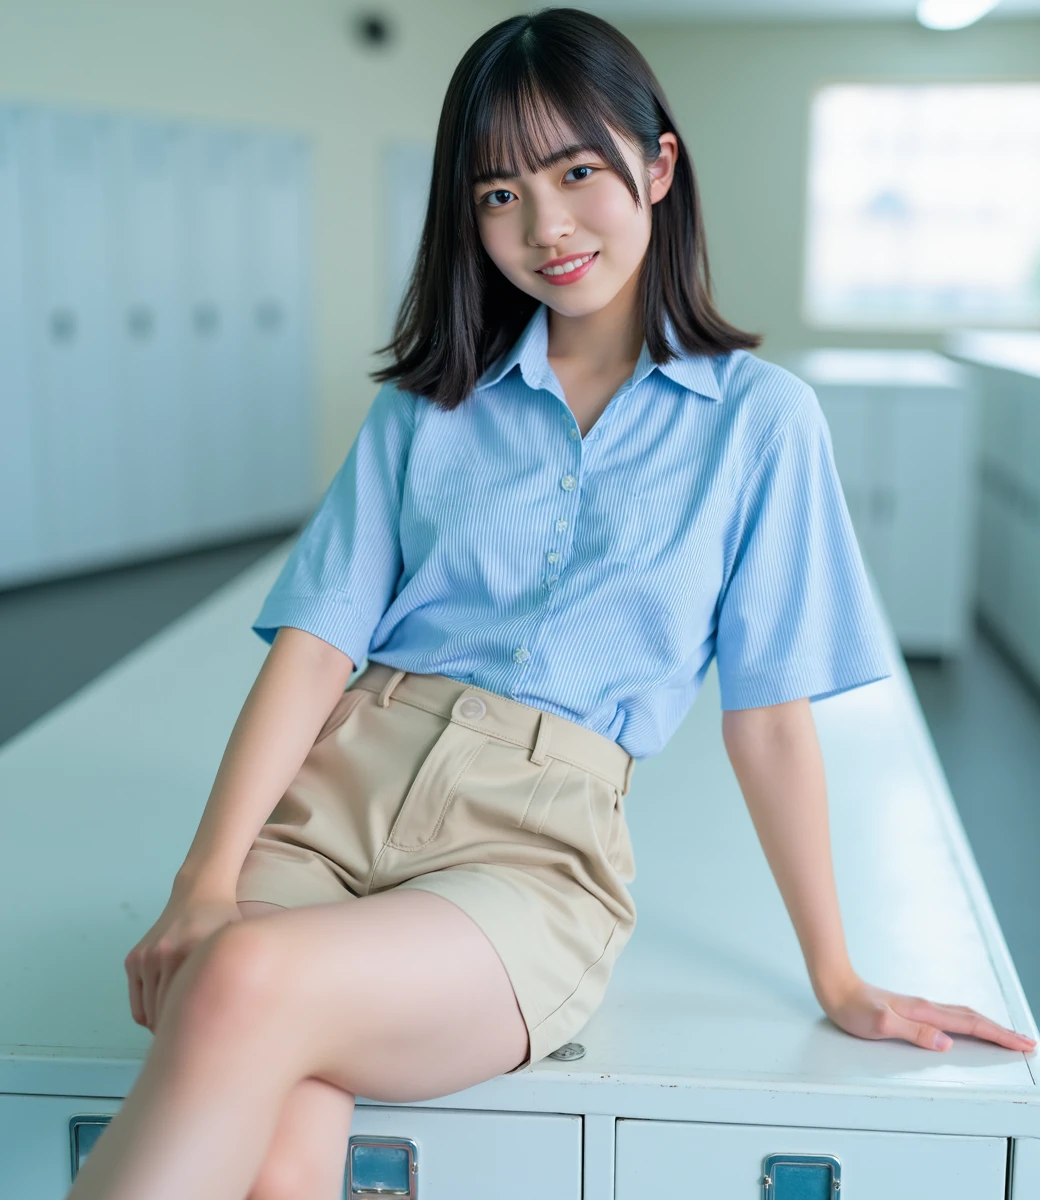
{"x": 459, "y": 313}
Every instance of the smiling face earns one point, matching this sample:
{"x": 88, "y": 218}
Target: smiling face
{"x": 570, "y": 208}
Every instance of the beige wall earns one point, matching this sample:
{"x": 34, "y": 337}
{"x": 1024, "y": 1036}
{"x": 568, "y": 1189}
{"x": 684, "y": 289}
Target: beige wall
{"x": 741, "y": 92}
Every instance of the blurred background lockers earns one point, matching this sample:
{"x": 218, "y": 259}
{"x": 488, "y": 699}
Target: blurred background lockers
{"x": 207, "y": 213}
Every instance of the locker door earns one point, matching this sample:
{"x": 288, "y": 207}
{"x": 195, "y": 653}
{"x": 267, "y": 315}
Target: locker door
{"x": 925, "y": 492}
{"x": 1023, "y": 600}
{"x": 729, "y": 1162}
{"x": 851, "y": 419}
{"x": 85, "y": 504}
{"x": 21, "y": 536}
{"x": 993, "y": 577}
{"x": 215, "y": 411}
{"x": 142, "y": 159}
{"x": 280, "y": 420}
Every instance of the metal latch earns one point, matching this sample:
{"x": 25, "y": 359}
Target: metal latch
{"x": 382, "y": 1166}
{"x": 801, "y": 1177}
{"x": 83, "y": 1133}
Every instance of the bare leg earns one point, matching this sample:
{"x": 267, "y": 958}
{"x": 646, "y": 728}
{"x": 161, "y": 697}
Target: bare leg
{"x": 397, "y": 996}
{"x": 307, "y": 1155}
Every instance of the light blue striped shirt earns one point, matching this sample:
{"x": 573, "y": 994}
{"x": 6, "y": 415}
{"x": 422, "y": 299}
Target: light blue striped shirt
{"x": 595, "y": 577}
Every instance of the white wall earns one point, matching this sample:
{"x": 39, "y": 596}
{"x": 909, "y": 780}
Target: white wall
{"x": 741, "y": 94}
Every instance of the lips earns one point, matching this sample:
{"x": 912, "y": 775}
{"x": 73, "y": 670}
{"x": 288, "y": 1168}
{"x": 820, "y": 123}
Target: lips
{"x": 564, "y": 277}
{"x": 567, "y": 258}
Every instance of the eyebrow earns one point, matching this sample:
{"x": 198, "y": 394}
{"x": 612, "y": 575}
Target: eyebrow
{"x": 550, "y": 160}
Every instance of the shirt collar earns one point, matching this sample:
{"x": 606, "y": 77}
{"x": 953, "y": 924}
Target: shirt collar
{"x": 530, "y": 352}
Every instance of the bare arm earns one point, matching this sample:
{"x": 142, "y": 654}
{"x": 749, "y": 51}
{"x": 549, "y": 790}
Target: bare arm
{"x": 297, "y": 687}
{"x": 778, "y": 763}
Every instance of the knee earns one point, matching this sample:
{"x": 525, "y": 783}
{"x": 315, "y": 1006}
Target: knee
{"x": 235, "y": 981}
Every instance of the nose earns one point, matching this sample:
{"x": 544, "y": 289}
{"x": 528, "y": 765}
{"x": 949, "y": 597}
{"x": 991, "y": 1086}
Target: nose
{"x": 549, "y": 222}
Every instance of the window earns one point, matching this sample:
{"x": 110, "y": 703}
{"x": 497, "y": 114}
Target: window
{"x": 924, "y": 206}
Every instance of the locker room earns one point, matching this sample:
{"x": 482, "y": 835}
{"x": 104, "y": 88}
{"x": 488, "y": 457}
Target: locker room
{"x": 210, "y": 215}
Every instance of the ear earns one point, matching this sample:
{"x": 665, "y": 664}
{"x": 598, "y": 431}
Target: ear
{"x": 662, "y": 170}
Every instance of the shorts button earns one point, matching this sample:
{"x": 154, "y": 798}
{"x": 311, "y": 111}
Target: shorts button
{"x": 472, "y": 708}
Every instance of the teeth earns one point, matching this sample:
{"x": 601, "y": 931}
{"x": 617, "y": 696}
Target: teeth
{"x": 567, "y": 267}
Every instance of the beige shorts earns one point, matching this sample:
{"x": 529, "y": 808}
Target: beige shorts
{"x": 514, "y": 814}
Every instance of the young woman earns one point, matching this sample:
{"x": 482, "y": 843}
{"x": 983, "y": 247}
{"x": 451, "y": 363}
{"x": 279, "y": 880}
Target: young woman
{"x": 575, "y": 487}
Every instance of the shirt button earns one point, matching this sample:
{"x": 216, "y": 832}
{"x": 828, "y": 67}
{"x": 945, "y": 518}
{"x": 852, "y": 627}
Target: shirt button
{"x": 561, "y": 525}
{"x": 520, "y": 655}
{"x": 574, "y": 434}
{"x": 568, "y": 482}
{"x": 550, "y": 580}
{"x": 552, "y": 556}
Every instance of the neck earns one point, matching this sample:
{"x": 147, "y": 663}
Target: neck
{"x": 603, "y": 341}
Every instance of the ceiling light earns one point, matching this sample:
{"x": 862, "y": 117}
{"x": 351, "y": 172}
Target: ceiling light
{"x": 952, "y": 14}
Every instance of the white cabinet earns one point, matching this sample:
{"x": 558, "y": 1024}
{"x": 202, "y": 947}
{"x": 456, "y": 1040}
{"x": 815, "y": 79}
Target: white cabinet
{"x": 730, "y": 1162}
{"x": 1005, "y": 366}
{"x": 155, "y": 379}
{"x": 22, "y": 547}
{"x": 417, "y": 1152}
{"x": 902, "y": 425}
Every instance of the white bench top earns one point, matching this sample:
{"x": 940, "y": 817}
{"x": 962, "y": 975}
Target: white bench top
{"x": 841, "y": 366}
{"x": 1008, "y": 349}
{"x": 710, "y": 1014}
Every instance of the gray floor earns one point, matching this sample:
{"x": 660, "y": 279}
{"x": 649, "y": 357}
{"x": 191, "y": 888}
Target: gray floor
{"x": 984, "y": 718}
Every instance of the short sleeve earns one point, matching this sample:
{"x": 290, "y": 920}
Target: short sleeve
{"x": 341, "y": 575}
{"x": 796, "y": 614}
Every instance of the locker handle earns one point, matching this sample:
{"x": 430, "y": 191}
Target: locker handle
{"x": 882, "y": 503}
{"x": 140, "y": 322}
{"x": 801, "y": 1177}
{"x": 382, "y": 1166}
{"x": 205, "y": 318}
{"x": 63, "y": 324}
{"x": 268, "y": 315}
{"x": 84, "y": 1132}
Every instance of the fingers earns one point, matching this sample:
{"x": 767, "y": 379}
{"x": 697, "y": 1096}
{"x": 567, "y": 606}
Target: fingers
{"x": 920, "y": 1033}
{"x": 930, "y": 1019}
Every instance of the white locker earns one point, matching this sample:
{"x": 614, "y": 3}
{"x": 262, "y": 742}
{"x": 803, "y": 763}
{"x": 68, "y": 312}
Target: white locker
{"x": 278, "y": 425}
{"x": 902, "y": 425}
{"x": 85, "y": 502}
{"x": 213, "y": 341}
{"x": 1005, "y": 366}
{"x": 21, "y": 529}
{"x": 143, "y": 161}
{"x": 156, "y": 390}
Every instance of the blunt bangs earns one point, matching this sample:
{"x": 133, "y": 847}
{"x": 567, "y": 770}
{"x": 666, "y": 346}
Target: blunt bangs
{"x": 515, "y": 122}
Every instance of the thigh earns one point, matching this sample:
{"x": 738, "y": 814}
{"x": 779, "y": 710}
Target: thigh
{"x": 400, "y": 996}
{"x": 308, "y": 1152}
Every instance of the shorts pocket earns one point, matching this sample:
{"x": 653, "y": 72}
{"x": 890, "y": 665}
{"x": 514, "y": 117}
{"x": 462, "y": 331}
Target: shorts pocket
{"x": 341, "y": 711}
{"x": 550, "y": 783}
{"x": 603, "y": 813}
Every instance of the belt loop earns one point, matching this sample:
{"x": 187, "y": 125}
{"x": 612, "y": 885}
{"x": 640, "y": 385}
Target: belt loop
{"x": 391, "y": 683}
{"x": 628, "y": 774}
{"x": 541, "y": 742}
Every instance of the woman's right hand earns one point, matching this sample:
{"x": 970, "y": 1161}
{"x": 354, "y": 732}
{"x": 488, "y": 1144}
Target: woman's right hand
{"x": 188, "y": 919}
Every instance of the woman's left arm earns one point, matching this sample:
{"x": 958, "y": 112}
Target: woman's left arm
{"x": 778, "y": 763}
